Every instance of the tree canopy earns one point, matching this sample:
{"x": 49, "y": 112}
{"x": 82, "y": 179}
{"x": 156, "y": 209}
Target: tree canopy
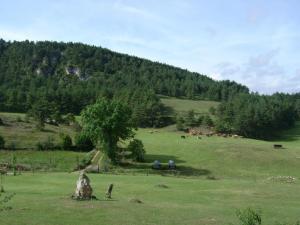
{"x": 107, "y": 122}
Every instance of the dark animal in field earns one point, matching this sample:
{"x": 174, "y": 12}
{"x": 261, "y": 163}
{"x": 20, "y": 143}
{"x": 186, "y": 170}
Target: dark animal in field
{"x": 109, "y": 191}
{"x": 198, "y": 137}
{"x": 183, "y": 136}
{"x": 277, "y": 146}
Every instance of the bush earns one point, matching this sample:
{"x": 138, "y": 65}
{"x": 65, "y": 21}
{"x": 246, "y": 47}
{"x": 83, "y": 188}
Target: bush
{"x": 76, "y": 126}
{"x": 137, "y": 150}
{"x": 19, "y": 119}
{"x": 66, "y": 142}
{"x": 69, "y": 118}
{"x": 2, "y": 142}
{"x": 46, "y": 145}
{"x": 83, "y": 142}
{"x": 208, "y": 121}
{"x": 249, "y": 217}
{"x": 1, "y": 122}
{"x": 180, "y": 124}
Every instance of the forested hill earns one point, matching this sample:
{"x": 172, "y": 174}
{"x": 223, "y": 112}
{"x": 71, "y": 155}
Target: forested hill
{"x": 72, "y": 75}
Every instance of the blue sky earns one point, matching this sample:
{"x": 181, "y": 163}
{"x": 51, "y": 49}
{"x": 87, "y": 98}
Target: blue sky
{"x": 256, "y": 43}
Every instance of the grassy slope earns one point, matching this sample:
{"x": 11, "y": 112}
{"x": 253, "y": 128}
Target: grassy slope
{"x": 184, "y": 105}
{"x": 241, "y": 166}
{"x": 223, "y": 157}
{"x": 25, "y": 135}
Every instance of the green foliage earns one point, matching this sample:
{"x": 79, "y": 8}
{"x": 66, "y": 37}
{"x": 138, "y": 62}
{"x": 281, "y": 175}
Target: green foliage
{"x": 137, "y": 150}
{"x": 83, "y": 142}
{"x": 74, "y": 75}
{"x": 249, "y": 217}
{"x": 46, "y": 145}
{"x": 43, "y": 111}
{"x": 212, "y": 110}
{"x": 1, "y": 122}
{"x": 69, "y": 118}
{"x": 66, "y": 142}
{"x": 190, "y": 119}
{"x": 107, "y": 122}
{"x": 180, "y": 123}
{"x": 257, "y": 116}
{"x": 86, "y": 160}
{"x": 207, "y": 121}
{"x": 2, "y": 142}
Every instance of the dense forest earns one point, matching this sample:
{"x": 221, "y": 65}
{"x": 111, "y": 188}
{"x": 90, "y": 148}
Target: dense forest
{"x": 67, "y": 77}
{"x": 256, "y": 116}
{"x": 73, "y": 75}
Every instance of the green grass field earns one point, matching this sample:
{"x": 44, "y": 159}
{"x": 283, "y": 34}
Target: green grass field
{"x": 216, "y": 176}
{"x": 184, "y": 105}
{"x": 20, "y": 134}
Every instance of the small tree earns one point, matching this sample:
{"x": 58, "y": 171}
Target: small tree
{"x": 137, "y": 150}
{"x": 41, "y": 111}
{"x": 180, "y": 123}
{"x": 2, "y": 142}
{"x": 208, "y": 121}
{"x": 190, "y": 118}
{"x": 106, "y": 122}
{"x": 212, "y": 110}
{"x": 66, "y": 142}
{"x": 83, "y": 142}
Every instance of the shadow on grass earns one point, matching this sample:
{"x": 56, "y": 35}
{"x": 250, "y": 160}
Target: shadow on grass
{"x": 150, "y": 158}
{"x": 181, "y": 170}
{"x": 292, "y": 134}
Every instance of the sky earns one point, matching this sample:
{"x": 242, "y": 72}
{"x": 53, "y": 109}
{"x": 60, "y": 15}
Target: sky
{"x": 253, "y": 42}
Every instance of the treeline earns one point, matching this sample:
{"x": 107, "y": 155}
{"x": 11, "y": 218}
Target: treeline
{"x": 74, "y": 75}
{"x": 256, "y": 116}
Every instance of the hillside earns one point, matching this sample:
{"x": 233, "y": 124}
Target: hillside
{"x": 72, "y": 75}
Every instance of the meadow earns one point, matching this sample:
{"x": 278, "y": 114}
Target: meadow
{"x": 182, "y": 106}
{"x": 215, "y": 177}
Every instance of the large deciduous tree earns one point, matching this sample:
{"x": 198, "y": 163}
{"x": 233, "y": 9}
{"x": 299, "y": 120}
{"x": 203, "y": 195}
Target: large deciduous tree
{"x": 107, "y": 122}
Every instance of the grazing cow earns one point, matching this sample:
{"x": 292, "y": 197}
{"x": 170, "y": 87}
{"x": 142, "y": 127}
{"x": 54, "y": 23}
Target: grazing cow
{"x": 277, "y": 146}
{"x": 183, "y": 136}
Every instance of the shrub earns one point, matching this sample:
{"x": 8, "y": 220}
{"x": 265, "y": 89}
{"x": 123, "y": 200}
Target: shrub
{"x": 2, "y": 142}
{"x": 137, "y": 150}
{"x": 76, "y": 126}
{"x": 46, "y": 145}
{"x": 249, "y": 217}
{"x": 208, "y": 121}
{"x": 69, "y": 118}
{"x": 83, "y": 142}
{"x": 66, "y": 142}
{"x": 180, "y": 124}
{"x": 1, "y": 122}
